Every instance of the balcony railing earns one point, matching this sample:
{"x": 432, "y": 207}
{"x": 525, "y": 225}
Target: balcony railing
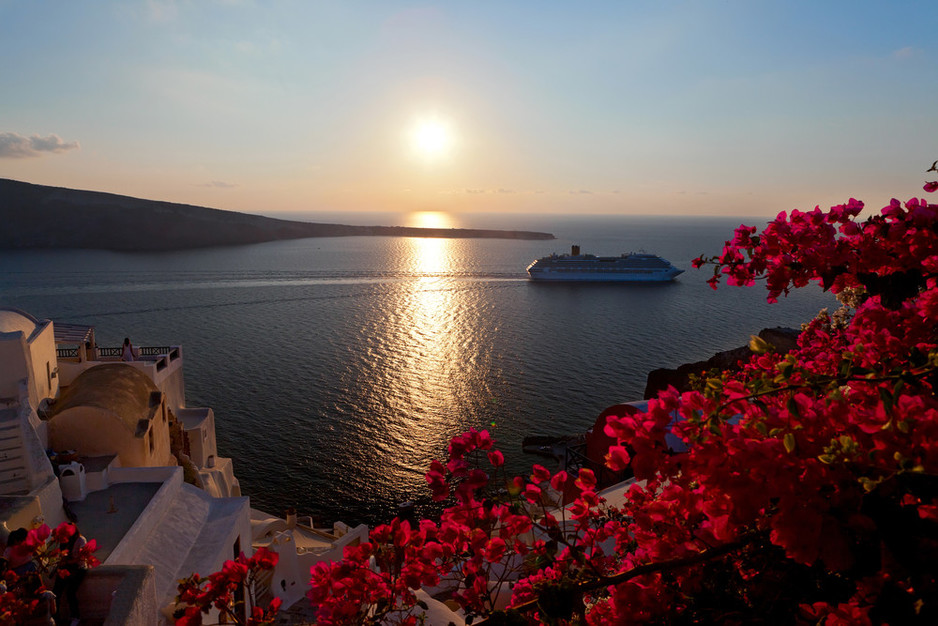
{"x": 162, "y": 355}
{"x": 576, "y": 459}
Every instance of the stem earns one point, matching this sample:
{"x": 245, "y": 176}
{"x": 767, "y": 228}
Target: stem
{"x": 824, "y": 382}
{"x": 648, "y": 568}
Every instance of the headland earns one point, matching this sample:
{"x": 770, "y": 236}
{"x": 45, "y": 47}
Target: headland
{"x": 39, "y": 216}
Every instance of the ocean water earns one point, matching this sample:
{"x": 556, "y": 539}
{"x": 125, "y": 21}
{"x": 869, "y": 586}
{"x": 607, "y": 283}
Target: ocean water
{"x": 338, "y": 368}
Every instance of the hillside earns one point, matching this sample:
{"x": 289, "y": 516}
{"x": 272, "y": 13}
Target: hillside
{"x": 38, "y": 216}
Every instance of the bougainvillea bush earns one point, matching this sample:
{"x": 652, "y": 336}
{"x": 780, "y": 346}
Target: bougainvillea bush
{"x": 222, "y": 594}
{"x": 26, "y": 596}
{"x": 809, "y": 493}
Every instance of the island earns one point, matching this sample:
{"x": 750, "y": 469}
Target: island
{"x": 40, "y": 216}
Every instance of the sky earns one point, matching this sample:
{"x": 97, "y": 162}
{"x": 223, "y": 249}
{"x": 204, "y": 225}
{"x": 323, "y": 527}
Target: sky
{"x": 624, "y": 107}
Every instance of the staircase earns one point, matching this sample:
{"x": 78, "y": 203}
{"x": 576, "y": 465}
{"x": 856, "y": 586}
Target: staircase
{"x": 14, "y": 477}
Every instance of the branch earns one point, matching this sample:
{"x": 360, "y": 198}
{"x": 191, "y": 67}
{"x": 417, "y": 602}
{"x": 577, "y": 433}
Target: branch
{"x": 826, "y": 381}
{"x": 648, "y": 568}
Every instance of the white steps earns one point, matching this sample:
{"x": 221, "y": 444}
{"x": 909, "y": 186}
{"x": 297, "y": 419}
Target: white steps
{"x": 14, "y": 477}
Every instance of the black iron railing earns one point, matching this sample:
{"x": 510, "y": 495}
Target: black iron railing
{"x": 163, "y": 355}
{"x": 575, "y": 459}
{"x": 153, "y": 350}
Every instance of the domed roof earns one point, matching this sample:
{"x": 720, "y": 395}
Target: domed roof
{"x": 118, "y": 388}
{"x": 14, "y": 320}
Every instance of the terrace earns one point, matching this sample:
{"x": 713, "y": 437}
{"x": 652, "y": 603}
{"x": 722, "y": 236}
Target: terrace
{"x": 76, "y": 351}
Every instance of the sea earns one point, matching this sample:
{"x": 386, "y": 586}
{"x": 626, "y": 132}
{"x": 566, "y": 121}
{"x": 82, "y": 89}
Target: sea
{"x": 338, "y": 368}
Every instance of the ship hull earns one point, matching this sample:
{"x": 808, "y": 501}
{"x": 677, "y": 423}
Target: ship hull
{"x": 597, "y": 277}
{"x": 626, "y": 268}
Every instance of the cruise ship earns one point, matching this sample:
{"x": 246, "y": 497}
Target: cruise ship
{"x": 631, "y": 267}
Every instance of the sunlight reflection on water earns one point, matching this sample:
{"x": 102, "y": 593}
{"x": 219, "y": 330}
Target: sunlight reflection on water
{"x": 426, "y": 343}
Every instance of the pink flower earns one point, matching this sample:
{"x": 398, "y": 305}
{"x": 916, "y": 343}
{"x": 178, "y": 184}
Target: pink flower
{"x": 539, "y": 474}
{"x": 586, "y": 480}
{"x": 264, "y": 558}
{"x": 63, "y": 532}
{"x": 495, "y": 550}
{"x": 432, "y": 551}
{"x": 559, "y": 480}
{"x": 617, "y": 458}
{"x": 928, "y": 512}
{"x": 532, "y": 493}
{"x": 484, "y": 440}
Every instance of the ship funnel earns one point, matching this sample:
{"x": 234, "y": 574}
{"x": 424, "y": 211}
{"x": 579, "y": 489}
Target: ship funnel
{"x": 575, "y": 251}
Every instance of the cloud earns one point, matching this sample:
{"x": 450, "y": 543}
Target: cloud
{"x": 219, "y": 184}
{"x": 904, "y": 53}
{"x": 582, "y": 191}
{"x": 15, "y": 146}
{"x": 162, "y": 10}
{"x": 478, "y": 191}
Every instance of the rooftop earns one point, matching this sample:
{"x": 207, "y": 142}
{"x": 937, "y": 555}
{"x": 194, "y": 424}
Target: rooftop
{"x": 116, "y": 387}
{"x": 73, "y": 333}
{"x": 107, "y": 515}
{"x": 14, "y": 320}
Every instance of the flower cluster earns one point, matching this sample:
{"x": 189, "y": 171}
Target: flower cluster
{"x": 222, "y": 591}
{"x": 809, "y": 491}
{"x": 42, "y": 558}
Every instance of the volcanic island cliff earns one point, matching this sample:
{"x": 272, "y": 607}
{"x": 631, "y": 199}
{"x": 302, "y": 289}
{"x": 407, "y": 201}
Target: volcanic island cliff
{"x": 38, "y": 216}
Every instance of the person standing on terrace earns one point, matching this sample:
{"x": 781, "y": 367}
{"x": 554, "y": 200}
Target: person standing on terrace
{"x": 127, "y": 353}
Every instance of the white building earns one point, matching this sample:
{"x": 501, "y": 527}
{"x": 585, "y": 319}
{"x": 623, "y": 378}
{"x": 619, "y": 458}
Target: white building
{"x": 120, "y": 438}
{"x": 113, "y": 445}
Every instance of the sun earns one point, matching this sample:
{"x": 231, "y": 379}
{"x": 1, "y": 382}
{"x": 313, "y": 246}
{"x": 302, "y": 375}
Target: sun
{"x": 431, "y": 138}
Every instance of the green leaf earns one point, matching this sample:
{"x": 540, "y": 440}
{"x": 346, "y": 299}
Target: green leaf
{"x": 759, "y": 345}
{"x": 792, "y": 407}
{"x": 848, "y": 444}
{"x": 886, "y": 398}
{"x": 789, "y": 441}
{"x": 846, "y": 365}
